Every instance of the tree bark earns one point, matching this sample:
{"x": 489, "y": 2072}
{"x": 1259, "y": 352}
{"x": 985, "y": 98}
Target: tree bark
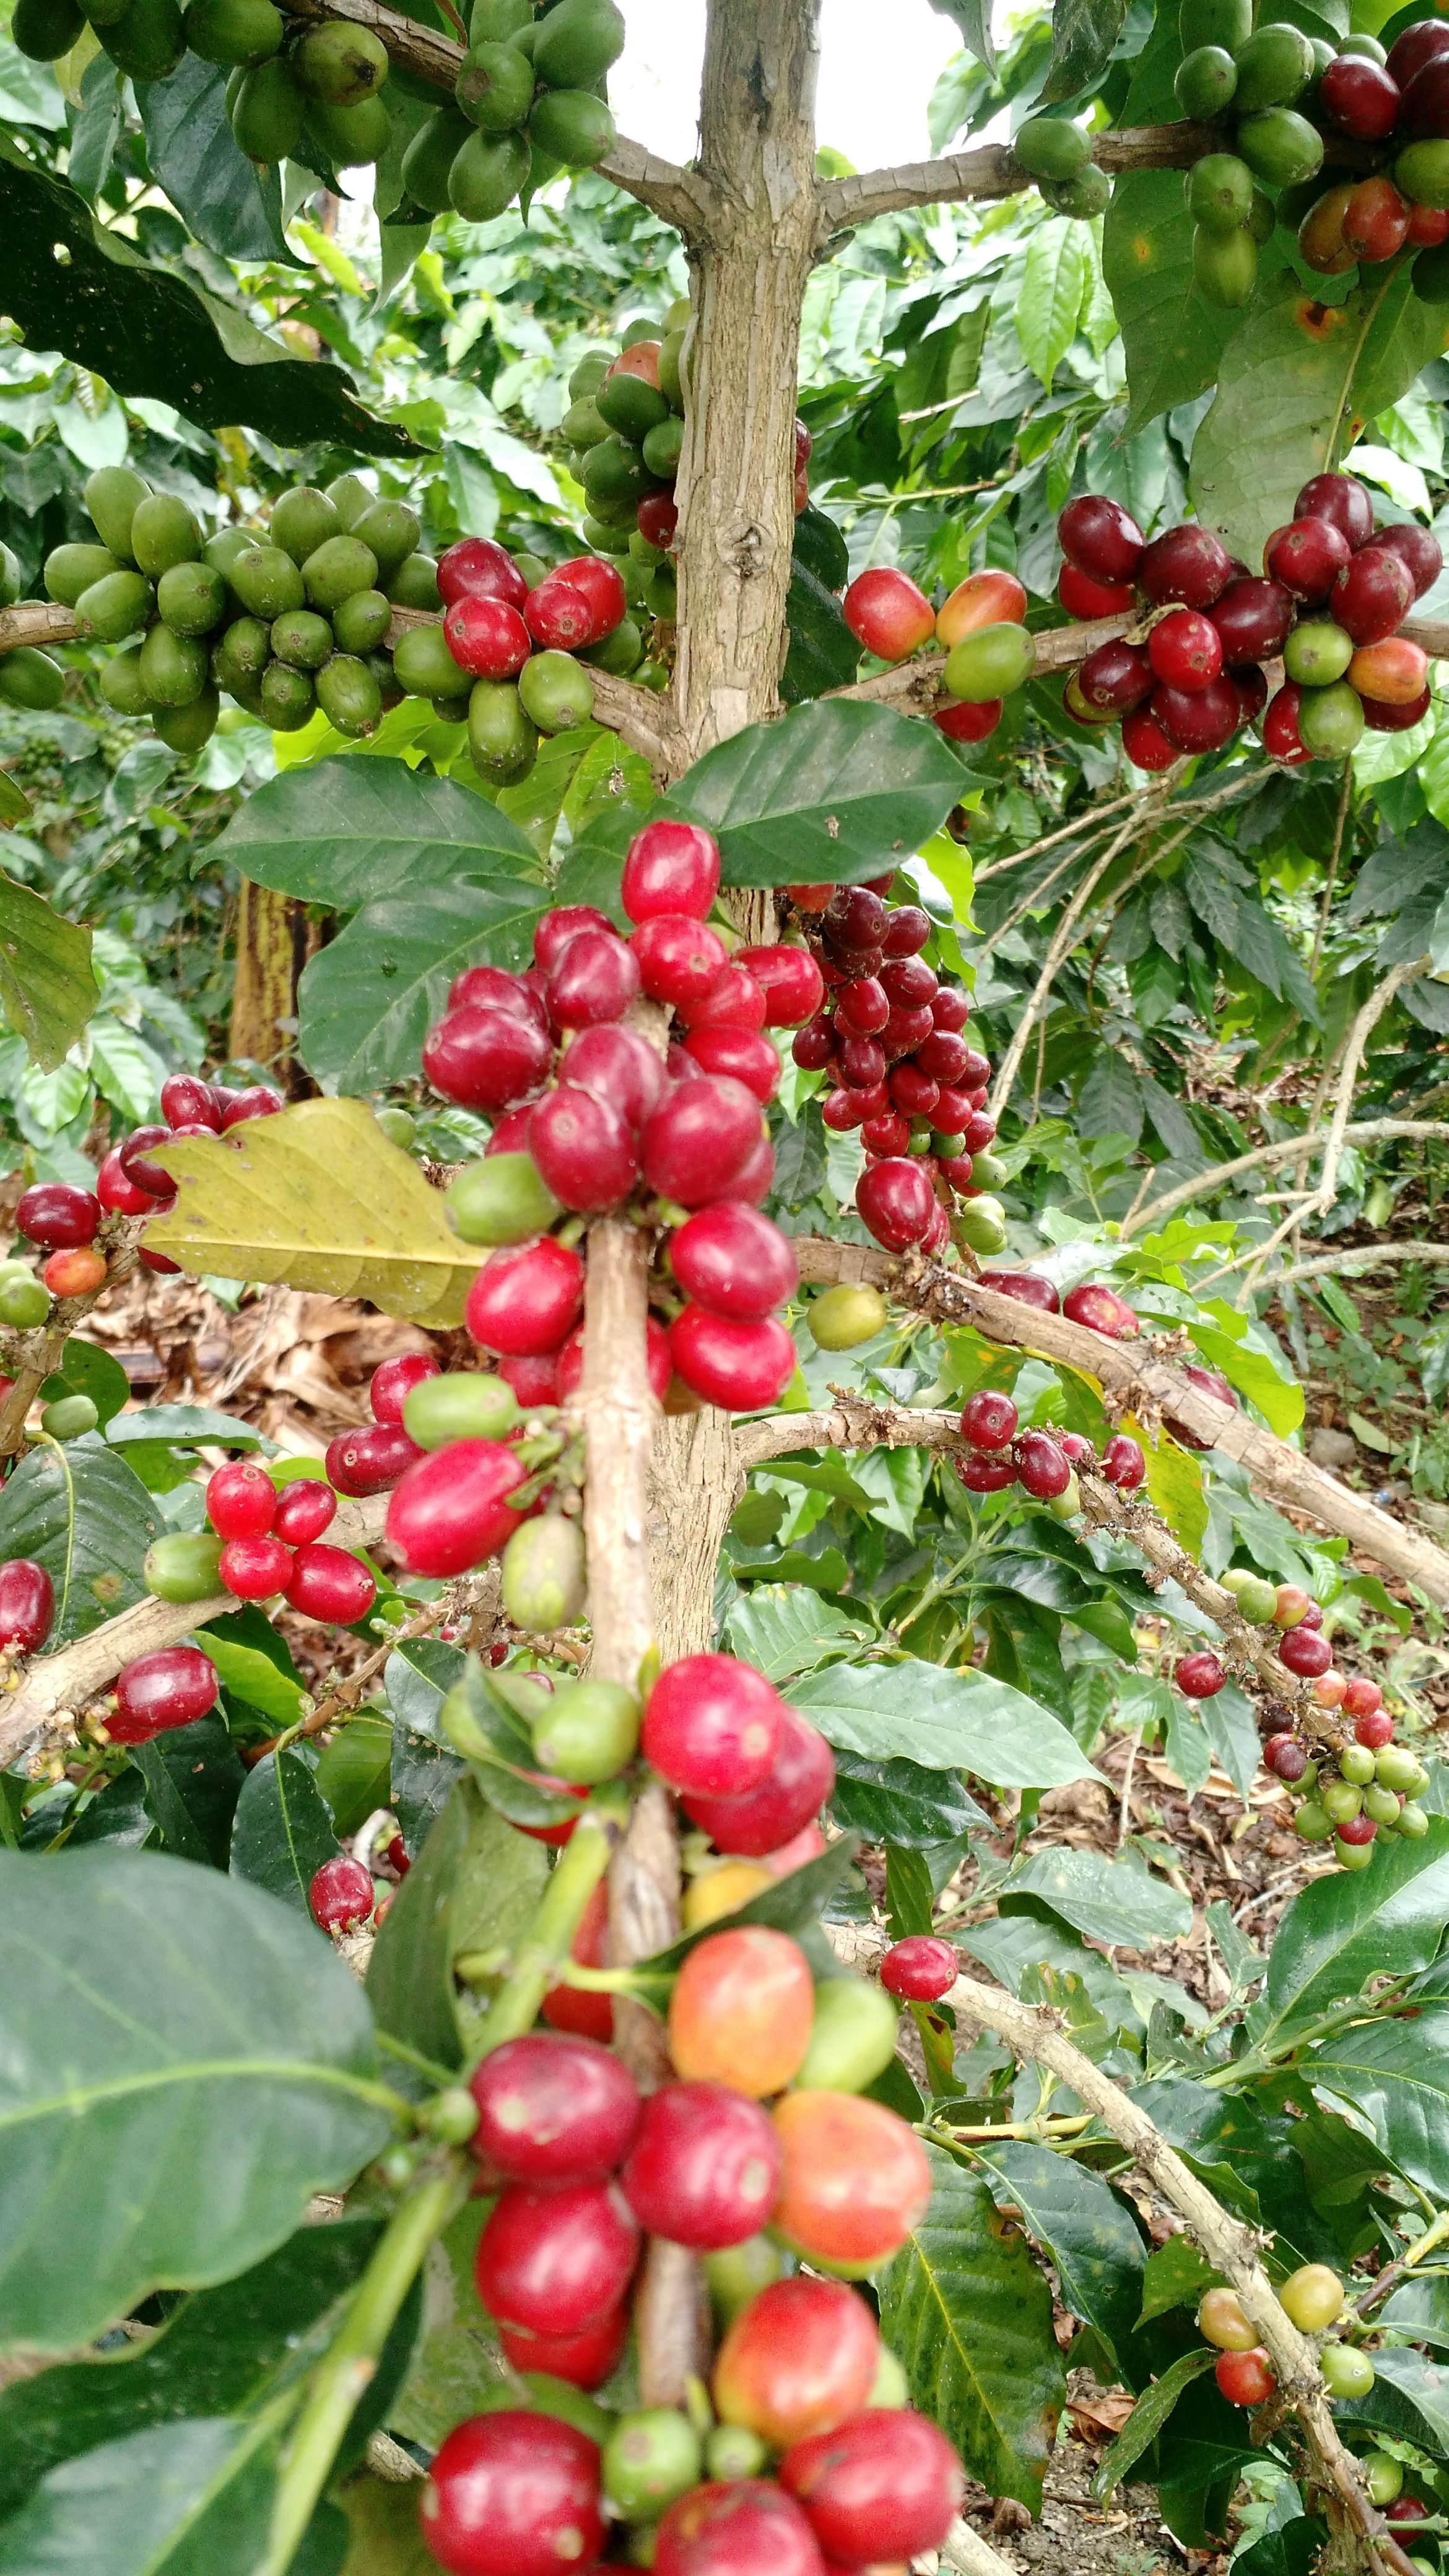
{"x": 697, "y": 1479}
{"x": 736, "y": 473}
{"x": 274, "y": 940}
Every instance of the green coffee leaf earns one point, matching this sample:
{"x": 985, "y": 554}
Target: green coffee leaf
{"x": 78, "y": 1509}
{"x": 48, "y": 988}
{"x": 1057, "y": 269}
{"x": 837, "y": 790}
{"x": 1393, "y": 2076}
{"x": 187, "y": 2037}
{"x": 944, "y": 1720}
{"x": 346, "y": 832}
{"x": 165, "y": 2502}
{"x": 1351, "y": 1925}
{"x": 368, "y": 999}
{"x": 473, "y": 1887}
{"x": 1148, "y": 2417}
{"x": 230, "y": 203}
{"x": 1090, "y": 2234}
{"x": 1173, "y": 338}
{"x": 1109, "y": 1901}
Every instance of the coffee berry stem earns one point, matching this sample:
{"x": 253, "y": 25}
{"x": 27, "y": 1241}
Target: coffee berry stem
{"x": 536, "y": 1962}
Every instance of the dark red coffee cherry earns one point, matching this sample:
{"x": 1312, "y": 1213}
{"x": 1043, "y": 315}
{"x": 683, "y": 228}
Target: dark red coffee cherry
{"x": 1285, "y": 1757}
{"x": 1099, "y": 538}
{"x": 701, "y": 1136}
{"x": 1420, "y": 553}
{"x": 27, "y": 1604}
{"x": 255, "y": 1102}
{"x": 705, "y": 2167}
{"x": 1188, "y": 566}
{"x": 341, "y": 1893}
{"x": 162, "y": 1690}
{"x": 369, "y": 1461}
{"x": 584, "y": 1150}
{"x": 1118, "y": 676}
{"x": 896, "y": 1202}
{"x": 596, "y": 977}
{"x": 1307, "y": 557}
{"x": 58, "y": 1215}
{"x": 1305, "y": 1652}
{"x": 559, "y": 925}
{"x": 1199, "y": 1675}
{"x": 487, "y": 1059}
{"x": 187, "y": 1101}
{"x": 1197, "y": 720}
{"x": 988, "y": 1419}
{"x": 618, "y": 1066}
{"x": 330, "y": 1583}
{"x": 1123, "y": 1462}
{"x": 1372, "y": 594}
{"x": 1101, "y": 1308}
{"x": 1041, "y": 1466}
{"x": 1186, "y": 650}
{"x": 920, "y": 1969}
{"x": 556, "y": 2261}
{"x": 553, "y": 2110}
{"x": 1253, "y": 619}
{"x": 394, "y": 1381}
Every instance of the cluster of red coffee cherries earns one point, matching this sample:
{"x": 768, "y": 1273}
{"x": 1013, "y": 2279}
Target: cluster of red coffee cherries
{"x": 1043, "y": 1463}
{"x": 1399, "y": 100}
{"x": 1332, "y": 594}
{"x": 272, "y": 1543}
{"x": 591, "y": 1116}
{"x": 890, "y": 1037}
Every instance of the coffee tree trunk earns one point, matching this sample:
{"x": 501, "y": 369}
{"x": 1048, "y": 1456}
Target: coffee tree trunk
{"x": 274, "y": 940}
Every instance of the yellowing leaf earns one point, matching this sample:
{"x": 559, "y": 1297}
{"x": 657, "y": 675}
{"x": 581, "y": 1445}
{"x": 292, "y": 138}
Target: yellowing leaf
{"x": 316, "y": 1198}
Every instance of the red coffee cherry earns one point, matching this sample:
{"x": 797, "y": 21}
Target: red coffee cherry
{"x": 496, "y": 988}
{"x": 1307, "y": 557}
{"x": 1117, "y": 676}
{"x": 1363, "y": 100}
{"x": 1420, "y": 554}
{"x": 735, "y": 1262}
{"x": 1372, "y": 593}
{"x": 570, "y": 2008}
{"x": 1101, "y": 1308}
{"x": 1305, "y": 1652}
{"x": 1145, "y": 743}
{"x": 1340, "y": 498}
{"x": 739, "y": 1367}
{"x": 797, "y": 1788}
{"x": 657, "y": 518}
{"x": 1363, "y": 1698}
{"x": 799, "y": 2359}
{"x": 734, "y": 1001}
{"x": 986, "y": 1471}
{"x": 988, "y": 1419}
{"x": 554, "y": 2110}
{"x": 1281, "y": 738}
{"x": 712, "y": 1726}
{"x": 1099, "y": 538}
{"x": 1253, "y": 619}
{"x": 241, "y": 1500}
{"x": 596, "y": 977}
{"x": 257, "y": 1102}
{"x": 369, "y": 1461}
{"x": 1041, "y": 1466}
{"x": 1245, "y": 2378}
{"x": 920, "y": 1969}
{"x": 513, "y": 2494}
{"x": 585, "y": 2359}
{"x": 1212, "y": 1382}
{"x": 1285, "y": 1757}
{"x": 670, "y": 867}
{"x": 1416, "y": 46}
{"x": 618, "y": 1066}
{"x": 1186, "y": 650}
{"x": 556, "y": 927}
{"x": 58, "y": 1215}
{"x": 27, "y": 1604}
{"x": 790, "y": 980}
{"x": 701, "y": 1136}
{"x": 888, "y": 614}
{"x": 1123, "y": 1464}
{"x": 896, "y": 1203}
{"x": 393, "y": 1383}
{"x": 704, "y": 2168}
{"x": 1083, "y": 597}
{"x": 254, "y": 1568}
{"x": 1199, "y": 1675}
{"x": 679, "y": 957}
{"x": 736, "y": 2529}
{"x": 340, "y": 1893}
{"x": 74, "y": 1274}
{"x": 450, "y": 1510}
{"x": 162, "y": 1690}
{"x": 527, "y": 1297}
{"x": 1375, "y": 1728}
{"x": 741, "y": 1054}
{"x": 1188, "y": 566}
{"x": 118, "y": 1191}
{"x": 556, "y": 2261}
{"x": 1198, "y": 720}
{"x": 330, "y": 1583}
{"x": 883, "y": 2485}
{"x": 1025, "y": 1287}
{"x": 856, "y": 2179}
{"x": 479, "y": 568}
{"x": 583, "y": 1149}
{"x": 486, "y": 1059}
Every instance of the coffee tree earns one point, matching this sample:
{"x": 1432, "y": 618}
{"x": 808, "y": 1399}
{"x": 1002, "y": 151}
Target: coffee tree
{"x": 613, "y": 2074}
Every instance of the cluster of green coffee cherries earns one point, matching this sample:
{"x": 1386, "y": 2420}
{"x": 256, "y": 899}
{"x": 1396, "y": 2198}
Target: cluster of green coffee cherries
{"x": 625, "y": 428}
{"x": 528, "y": 100}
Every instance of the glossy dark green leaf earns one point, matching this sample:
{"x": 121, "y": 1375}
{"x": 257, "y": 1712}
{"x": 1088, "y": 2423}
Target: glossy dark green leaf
{"x": 1109, "y": 1901}
{"x": 909, "y": 1895}
{"x": 1148, "y": 2417}
{"x": 283, "y": 1831}
{"x": 1088, "y": 2231}
{"x": 898, "y": 1802}
{"x": 823, "y": 654}
{"x": 1083, "y": 35}
{"x": 820, "y": 548}
{"x": 223, "y": 2353}
{"x": 1419, "y": 2307}
{"x": 117, "y": 1814}
{"x": 968, "y": 2314}
{"x": 1291, "y": 2550}
{"x": 228, "y": 202}
{"x": 1394, "y": 2076}
{"x": 193, "y": 1777}
{"x": 153, "y": 334}
{"x": 346, "y": 832}
{"x": 423, "y": 1774}
{"x": 837, "y": 790}
{"x": 80, "y": 1511}
{"x": 187, "y": 2499}
{"x": 1176, "y": 2277}
{"x": 88, "y": 1369}
{"x": 945, "y": 1720}
{"x": 1012, "y": 1945}
{"x": 1173, "y": 338}
{"x": 354, "y": 1773}
{"x": 368, "y": 1000}
{"x": 185, "y": 1426}
{"x": 186, "y": 2037}
{"x": 787, "y": 1629}
{"x": 417, "y": 1678}
{"x": 1351, "y": 1925}
{"x": 474, "y": 1886}
{"x": 48, "y": 987}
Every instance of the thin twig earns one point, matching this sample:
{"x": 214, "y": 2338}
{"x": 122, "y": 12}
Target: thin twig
{"x": 1365, "y": 1131}
{"x": 1363, "y": 1257}
{"x": 1340, "y": 820}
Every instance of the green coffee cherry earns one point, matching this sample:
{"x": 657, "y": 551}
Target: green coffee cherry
{"x": 414, "y": 584}
{"x": 1382, "y": 1804}
{"x": 461, "y": 1405}
{"x": 1330, "y": 721}
{"x": 182, "y": 1566}
{"x": 24, "y": 1300}
{"x": 267, "y": 115}
{"x": 148, "y": 41}
{"x": 555, "y": 692}
{"x": 112, "y": 495}
{"x": 588, "y": 1731}
{"x": 734, "y": 2275}
{"x": 348, "y": 694}
{"x": 1311, "y": 1824}
{"x": 1317, "y": 652}
{"x": 502, "y": 739}
{"x": 844, "y": 1317}
{"x": 1219, "y": 192}
{"x": 1352, "y": 1855}
{"x": 891, "y": 2387}
{"x": 174, "y": 668}
{"x": 1356, "y": 1763}
{"x": 495, "y": 87}
{"x": 1273, "y": 66}
{"x": 46, "y": 29}
{"x": 577, "y": 43}
{"x": 187, "y": 728}
{"x": 390, "y": 531}
{"x": 1421, "y": 173}
{"x": 852, "y": 2036}
{"x": 235, "y": 32}
{"x": 583, "y": 424}
{"x": 191, "y": 598}
{"x": 350, "y": 136}
{"x": 1383, "y": 2476}
{"x": 1398, "y": 1769}
{"x": 242, "y": 655}
{"x": 663, "y": 446}
{"x": 1413, "y": 1820}
{"x": 361, "y": 622}
{"x": 302, "y": 639}
{"x": 1206, "y": 80}
{"x": 651, "y": 2457}
{"x": 671, "y": 360}
{"x": 426, "y": 163}
{"x": 451, "y": 2116}
{"x": 732, "y": 2451}
{"x": 629, "y": 405}
{"x": 486, "y": 175}
{"x": 1347, "y": 2372}
{"x": 1066, "y": 1505}
{"x": 288, "y": 698}
{"x": 1086, "y": 196}
{"x": 425, "y": 668}
{"x": 619, "y": 652}
{"x": 121, "y": 683}
{"x": 114, "y": 607}
{"x": 1258, "y": 1600}
{"x": 614, "y": 474}
{"x": 989, "y": 663}
{"x": 69, "y": 1417}
{"x": 1051, "y": 147}
{"x": 1279, "y": 146}
{"x": 339, "y": 64}
{"x": 573, "y": 128}
{"x": 1340, "y": 1800}
{"x": 302, "y": 520}
{"x": 980, "y": 1224}
{"x": 543, "y": 1578}
{"x": 338, "y": 568}
{"x": 30, "y": 679}
{"x": 1225, "y": 266}
{"x": 397, "y": 1125}
{"x": 163, "y": 533}
{"x": 70, "y": 570}
{"x": 267, "y": 581}
{"x": 501, "y": 1199}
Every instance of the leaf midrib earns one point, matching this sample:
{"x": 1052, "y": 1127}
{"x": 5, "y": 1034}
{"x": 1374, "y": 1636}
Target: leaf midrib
{"x": 80, "y": 2098}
